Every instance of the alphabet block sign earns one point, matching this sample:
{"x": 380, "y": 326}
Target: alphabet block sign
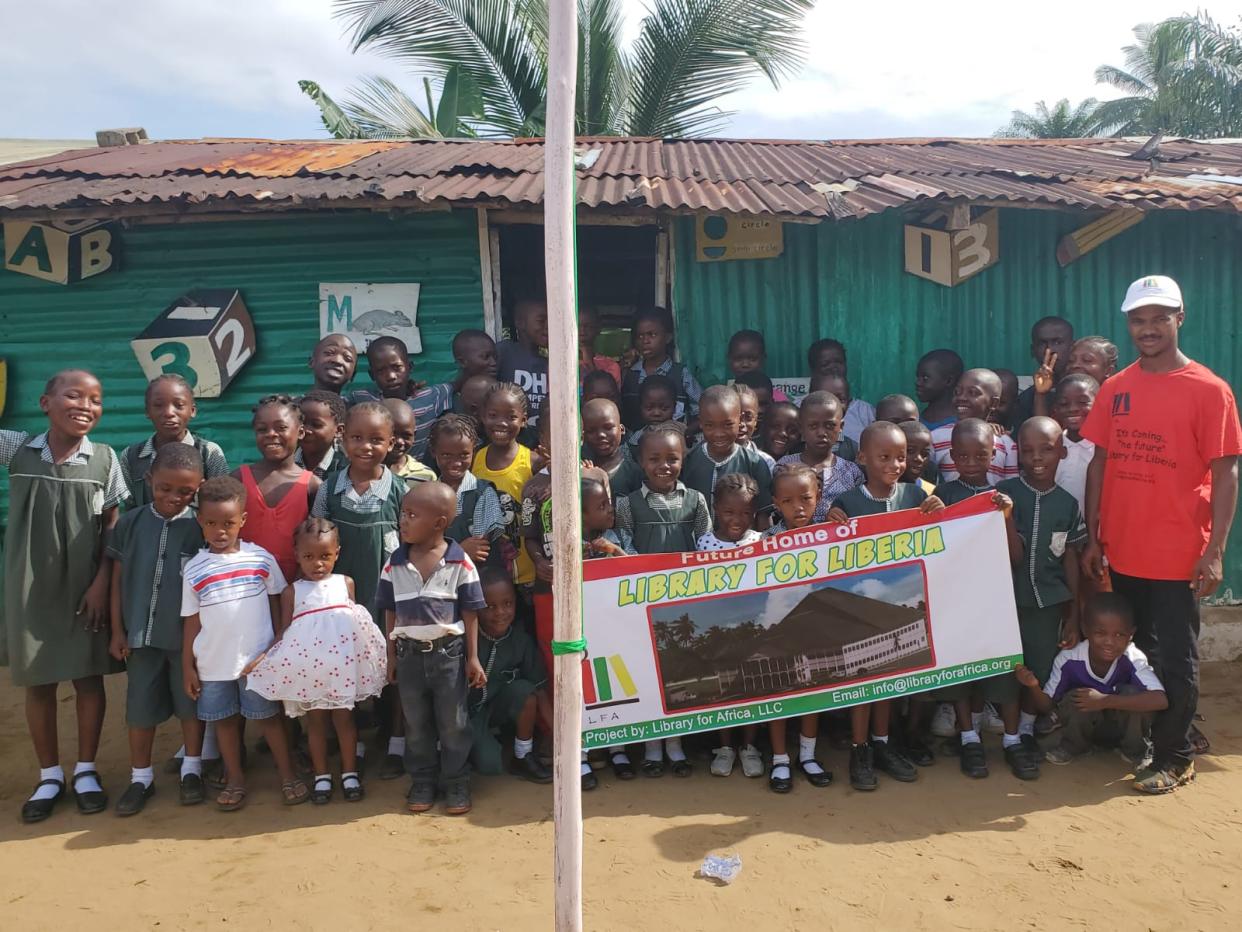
{"x": 206, "y": 337}
{"x": 950, "y": 257}
{"x": 365, "y": 312}
{"x": 62, "y": 252}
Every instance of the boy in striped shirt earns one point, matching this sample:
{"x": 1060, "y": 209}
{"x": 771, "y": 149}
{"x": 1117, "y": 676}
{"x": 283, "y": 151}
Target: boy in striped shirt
{"x": 1103, "y": 687}
{"x": 977, "y": 395}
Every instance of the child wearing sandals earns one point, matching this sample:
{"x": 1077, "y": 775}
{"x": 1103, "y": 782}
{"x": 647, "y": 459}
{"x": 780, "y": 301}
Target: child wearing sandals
{"x": 328, "y": 655}
{"x": 229, "y": 600}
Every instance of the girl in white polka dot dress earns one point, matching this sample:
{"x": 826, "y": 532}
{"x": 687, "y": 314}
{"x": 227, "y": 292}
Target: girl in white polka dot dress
{"x": 328, "y": 656}
{"x": 733, "y": 526}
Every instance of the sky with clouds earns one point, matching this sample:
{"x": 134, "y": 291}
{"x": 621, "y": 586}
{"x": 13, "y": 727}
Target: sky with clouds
{"x": 230, "y": 67}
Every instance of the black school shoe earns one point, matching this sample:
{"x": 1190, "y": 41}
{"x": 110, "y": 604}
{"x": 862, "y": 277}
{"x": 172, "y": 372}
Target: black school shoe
{"x": 90, "y": 801}
{"x": 821, "y": 779}
{"x": 779, "y": 784}
{"x": 191, "y": 791}
{"x": 862, "y": 768}
{"x": 974, "y": 760}
{"x": 889, "y": 759}
{"x": 917, "y": 751}
{"x": 529, "y": 768}
{"x": 134, "y": 799}
{"x": 589, "y": 781}
{"x": 1021, "y": 762}
{"x": 36, "y": 810}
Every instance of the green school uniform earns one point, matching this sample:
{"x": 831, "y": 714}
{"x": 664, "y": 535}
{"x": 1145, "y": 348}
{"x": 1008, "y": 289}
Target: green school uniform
{"x": 955, "y": 490}
{"x": 858, "y": 501}
{"x": 367, "y": 525}
{"x": 1048, "y": 522}
{"x": 700, "y": 472}
{"x": 625, "y": 477}
{"x": 514, "y": 671}
{"x": 152, "y": 551}
{"x": 136, "y": 460}
{"x": 52, "y": 552}
{"x": 664, "y": 522}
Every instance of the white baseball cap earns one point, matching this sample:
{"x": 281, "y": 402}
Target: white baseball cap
{"x": 1158, "y": 290}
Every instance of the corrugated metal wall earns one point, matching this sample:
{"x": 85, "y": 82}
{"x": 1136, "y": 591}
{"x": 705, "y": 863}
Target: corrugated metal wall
{"x": 277, "y": 265}
{"x": 846, "y": 280}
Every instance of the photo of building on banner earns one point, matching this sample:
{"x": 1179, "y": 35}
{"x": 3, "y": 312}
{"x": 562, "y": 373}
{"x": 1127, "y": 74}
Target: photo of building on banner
{"x": 812, "y": 620}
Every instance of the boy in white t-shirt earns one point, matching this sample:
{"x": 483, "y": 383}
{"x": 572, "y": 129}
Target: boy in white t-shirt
{"x": 229, "y": 600}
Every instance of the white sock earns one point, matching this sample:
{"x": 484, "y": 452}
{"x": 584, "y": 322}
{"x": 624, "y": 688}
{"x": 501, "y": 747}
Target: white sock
{"x": 971, "y": 737}
{"x": 350, "y": 780}
{"x": 396, "y": 746}
{"x": 584, "y": 767}
{"x": 143, "y": 775}
{"x": 1008, "y": 741}
{"x": 806, "y": 748}
{"x": 191, "y": 765}
{"x": 653, "y": 750}
{"x": 618, "y": 755}
{"x": 211, "y": 750}
{"x": 976, "y": 721}
{"x": 672, "y": 747}
{"x": 879, "y": 739}
{"x": 49, "y": 773}
{"x": 90, "y": 784}
{"x": 523, "y": 747}
{"x": 360, "y": 749}
{"x": 780, "y": 766}
{"x": 325, "y": 778}
{"x": 1026, "y": 723}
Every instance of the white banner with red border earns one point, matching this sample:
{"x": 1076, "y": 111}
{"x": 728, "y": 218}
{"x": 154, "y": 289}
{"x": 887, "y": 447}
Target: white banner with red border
{"x": 821, "y": 618}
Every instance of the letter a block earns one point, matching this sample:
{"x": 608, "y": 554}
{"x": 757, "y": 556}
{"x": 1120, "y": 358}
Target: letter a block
{"x": 64, "y": 252}
{"x": 206, "y": 337}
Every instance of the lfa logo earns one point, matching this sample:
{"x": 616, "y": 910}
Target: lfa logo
{"x": 606, "y": 681}
{"x": 1121, "y": 404}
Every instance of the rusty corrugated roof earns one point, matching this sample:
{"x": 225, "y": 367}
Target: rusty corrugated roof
{"x": 830, "y": 180}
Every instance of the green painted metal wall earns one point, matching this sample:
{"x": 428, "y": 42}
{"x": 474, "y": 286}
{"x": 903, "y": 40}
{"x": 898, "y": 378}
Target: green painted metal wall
{"x": 846, "y": 280}
{"x": 277, "y": 265}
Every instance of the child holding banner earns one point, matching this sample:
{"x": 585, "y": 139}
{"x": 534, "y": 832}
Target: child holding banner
{"x": 883, "y": 455}
{"x": 796, "y": 492}
{"x": 1045, "y": 579}
{"x": 972, "y": 442}
{"x": 663, "y": 516}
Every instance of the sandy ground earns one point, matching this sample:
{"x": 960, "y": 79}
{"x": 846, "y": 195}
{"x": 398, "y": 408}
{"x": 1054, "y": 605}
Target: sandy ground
{"x": 1076, "y": 849}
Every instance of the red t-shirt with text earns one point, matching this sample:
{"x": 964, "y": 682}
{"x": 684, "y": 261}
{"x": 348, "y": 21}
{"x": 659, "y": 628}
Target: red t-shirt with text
{"x": 1162, "y": 431}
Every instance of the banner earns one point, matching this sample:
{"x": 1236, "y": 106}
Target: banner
{"x": 821, "y": 618}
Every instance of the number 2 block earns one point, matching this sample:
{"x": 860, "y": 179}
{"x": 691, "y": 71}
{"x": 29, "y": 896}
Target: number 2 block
{"x": 206, "y": 336}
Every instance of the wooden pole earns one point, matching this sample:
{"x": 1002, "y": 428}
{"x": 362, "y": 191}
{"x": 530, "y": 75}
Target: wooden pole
{"x": 560, "y": 269}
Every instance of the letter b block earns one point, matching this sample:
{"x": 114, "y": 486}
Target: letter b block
{"x": 206, "y": 337}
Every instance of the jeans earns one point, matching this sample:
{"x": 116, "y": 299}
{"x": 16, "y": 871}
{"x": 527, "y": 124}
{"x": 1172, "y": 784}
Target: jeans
{"x": 1166, "y": 613}
{"x": 433, "y": 700}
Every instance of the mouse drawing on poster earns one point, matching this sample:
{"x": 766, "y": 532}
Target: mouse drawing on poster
{"x": 365, "y": 312}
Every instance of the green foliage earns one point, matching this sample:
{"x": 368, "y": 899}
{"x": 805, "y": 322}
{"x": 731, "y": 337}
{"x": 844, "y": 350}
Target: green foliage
{"x": 1181, "y": 76}
{"x": 1061, "y": 121}
{"x": 489, "y": 58}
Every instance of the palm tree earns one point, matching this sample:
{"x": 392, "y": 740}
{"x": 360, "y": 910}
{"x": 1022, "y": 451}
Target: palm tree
{"x": 1182, "y": 76}
{"x": 1062, "y": 121}
{"x": 688, "y": 53}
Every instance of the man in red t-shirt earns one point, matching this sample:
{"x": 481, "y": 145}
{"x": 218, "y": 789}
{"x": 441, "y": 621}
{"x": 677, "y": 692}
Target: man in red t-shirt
{"x": 1161, "y": 493}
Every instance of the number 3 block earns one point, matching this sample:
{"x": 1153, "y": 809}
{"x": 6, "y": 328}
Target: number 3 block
{"x": 206, "y": 337}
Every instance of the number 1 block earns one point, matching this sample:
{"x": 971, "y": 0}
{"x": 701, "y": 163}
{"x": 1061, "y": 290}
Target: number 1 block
{"x": 206, "y": 336}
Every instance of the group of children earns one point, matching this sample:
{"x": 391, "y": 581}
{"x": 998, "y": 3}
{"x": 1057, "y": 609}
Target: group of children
{"x": 393, "y": 544}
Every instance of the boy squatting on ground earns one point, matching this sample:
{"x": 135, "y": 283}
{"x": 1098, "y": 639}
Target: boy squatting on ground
{"x": 1103, "y": 689}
